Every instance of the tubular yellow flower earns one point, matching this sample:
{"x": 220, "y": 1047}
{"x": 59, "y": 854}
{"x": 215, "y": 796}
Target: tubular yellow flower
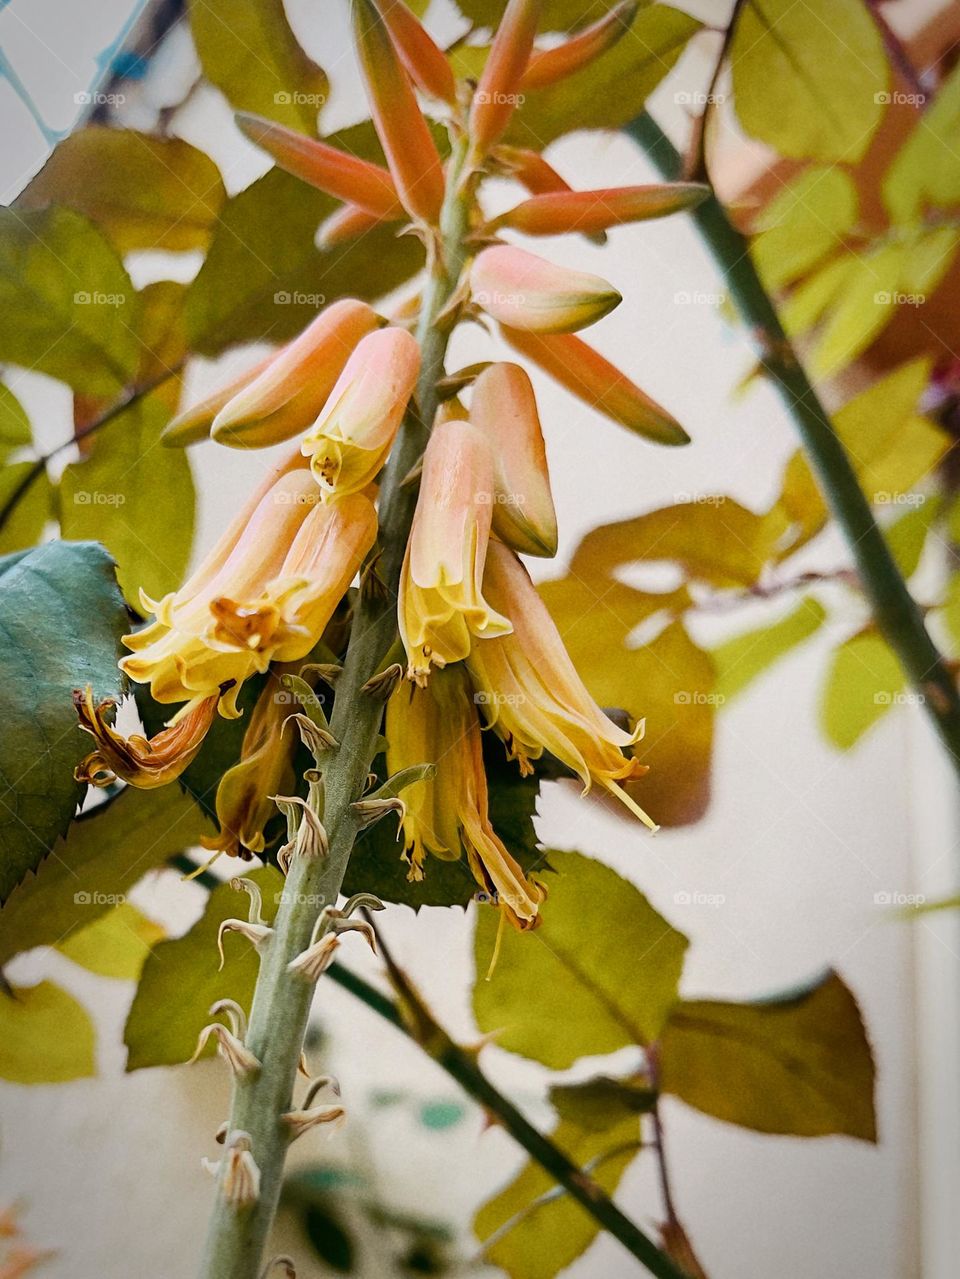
{"x": 593, "y": 379}
{"x": 498, "y": 91}
{"x": 547, "y": 66}
{"x": 526, "y": 292}
{"x": 142, "y": 763}
{"x": 286, "y": 396}
{"x": 407, "y": 143}
{"x": 441, "y": 600}
{"x": 351, "y": 438}
{"x": 531, "y": 695}
{"x": 425, "y": 62}
{"x": 265, "y": 768}
{"x": 448, "y": 813}
{"x": 504, "y": 408}
{"x": 264, "y": 594}
{"x": 591, "y": 212}
{"x": 337, "y": 172}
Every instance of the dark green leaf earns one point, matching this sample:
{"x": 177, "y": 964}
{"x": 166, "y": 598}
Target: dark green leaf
{"x": 601, "y": 1102}
{"x": 330, "y": 1238}
{"x": 61, "y": 617}
{"x": 797, "y": 1063}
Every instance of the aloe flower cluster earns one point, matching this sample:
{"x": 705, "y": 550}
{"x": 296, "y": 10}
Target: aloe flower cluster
{"x": 481, "y": 650}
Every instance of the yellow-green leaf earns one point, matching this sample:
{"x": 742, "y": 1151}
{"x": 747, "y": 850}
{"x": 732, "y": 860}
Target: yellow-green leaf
{"x": 865, "y": 680}
{"x": 556, "y": 15}
{"x": 809, "y": 79}
{"x": 804, "y": 223}
{"x": 798, "y": 1063}
{"x": 116, "y": 945}
{"x": 143, "y": 191}
{"x": 249, "y": 52}
{"x": 600, "y": 973}
{"x": 15, "y": 430}
{"x": 46, "y": 1036}
{"x": 182, "y": 978}
{"x": 739, "y": 661}
{"x": 67, "y": 307}
{"x": 925, "y": 172}
{"x": 552, "y": 1229}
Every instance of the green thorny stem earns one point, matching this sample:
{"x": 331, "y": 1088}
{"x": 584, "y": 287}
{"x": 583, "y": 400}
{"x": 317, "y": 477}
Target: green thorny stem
{"x": 281, "y": 1001}
{"x": 896, "y": 613}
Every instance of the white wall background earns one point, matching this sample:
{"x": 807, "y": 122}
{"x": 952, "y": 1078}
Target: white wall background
{"x": 797, "y": 842}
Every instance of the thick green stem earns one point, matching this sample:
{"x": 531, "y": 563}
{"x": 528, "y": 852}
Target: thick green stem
{"x": 281, "y": 1004}
{"x": 895, "y": 611}
{"x": 414, "y": 1019}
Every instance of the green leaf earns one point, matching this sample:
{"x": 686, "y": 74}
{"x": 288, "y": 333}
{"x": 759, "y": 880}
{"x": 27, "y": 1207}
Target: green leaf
{"x": 15, "y": 430}
{"x": 557, "y": 15}
{"x": 797, "y": 1063}
{"x": 247, "y": 49}
{"x": 864, "y": 681}
{"x": 181, "y": 978}
{"x": 67, "y": 307}
{"x": 925, "y": 172}
{"x": 601, "y": 1102}
{"x": 907, "y": 536}
{"x": 329, "y": 1237}
{"x": 552, "y": 1230}
{"x": 46, "y": 1036}
{"x": 33, "y": 510}
{"x": 61, "y": 617}
{"x": 115, "y": 945}
{"x": 612, "y": 90}
{"x": 600, "y": 973}
{"x": 825, "y": 63}
{"x": 104, "y": 854}
{"x": 804, "y": 223}
{"x": 143, "y": 191}
{"x": 739, "y": 661}
{"x": 264, "y": 278}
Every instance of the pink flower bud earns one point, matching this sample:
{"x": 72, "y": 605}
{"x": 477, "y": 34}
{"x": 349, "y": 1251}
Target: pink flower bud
{"x": 526, "y": 292}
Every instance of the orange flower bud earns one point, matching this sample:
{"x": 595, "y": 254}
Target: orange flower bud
{"x": 425, "y": 62}
{"x": 194, "y": 424}
{"x": 504, "y": 409}
{"x": 441, "y": 601}
{"x": 348, "y": 223}
{"x": 336, "y": 172}
{"x": 530, "y": 694}
{"x": 593, "y": 379}
{"x": 547, "y": 66}
{"x": 526, "y": 292}
{"x": 407, "y": 143}
{"x": 290, "y": 391}
{"x": 588, "y": 212}
{"x": 351, "y": 438}
{"x": 531, "y": 170}
{"x": 498, "y": 91}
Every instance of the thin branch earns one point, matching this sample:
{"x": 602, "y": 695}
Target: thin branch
{"x": 695, "y": 166}
{"x": 411, "y": 1015}
{"x": 98, "y": 423}
{"x": 897, "y": 615}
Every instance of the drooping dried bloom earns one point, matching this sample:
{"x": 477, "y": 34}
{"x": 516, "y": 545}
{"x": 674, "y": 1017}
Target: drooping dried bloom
{"x": 547, "y": 66}
{"x": 526, "y": 292}
{"x": 441, "y": 598}
{"x": 265, "y": 593}
{"x": 286, "y": 396}
{"x": 425, "y": 63}
{"x": 590, "y": 212}
{"x": 349, "y": 442}
{"x": 531, "y": 695}
{"x": 136, "y": 760}
{"x": 447, "y": 814}
{"x": 410, "y": 150}
{"x": 593, "y": 379}
{"x": 504, "y": 408}
{"x": 498, "y": 91}
{"x": 329, "y": 169}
